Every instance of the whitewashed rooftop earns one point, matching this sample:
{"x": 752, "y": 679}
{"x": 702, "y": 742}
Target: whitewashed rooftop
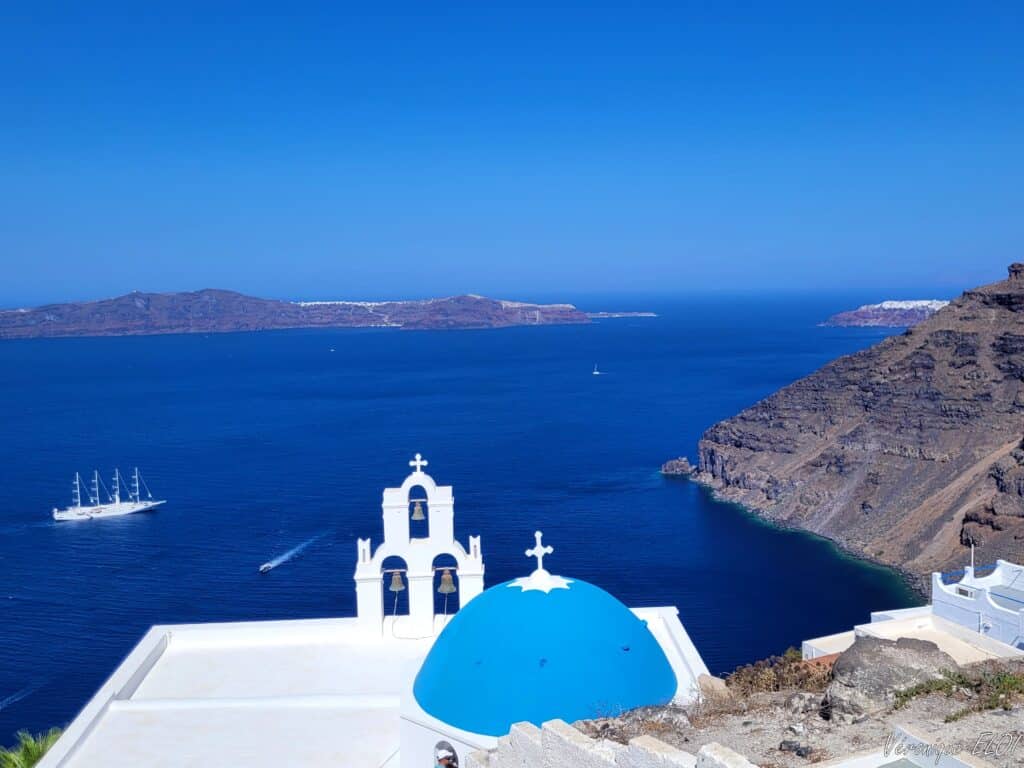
{"x": 312, "y": 693}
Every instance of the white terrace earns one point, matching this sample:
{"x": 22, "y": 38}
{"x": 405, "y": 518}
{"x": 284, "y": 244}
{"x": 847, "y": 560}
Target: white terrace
{"x": 974, "y": 619}
{"x": 316, "y": 692}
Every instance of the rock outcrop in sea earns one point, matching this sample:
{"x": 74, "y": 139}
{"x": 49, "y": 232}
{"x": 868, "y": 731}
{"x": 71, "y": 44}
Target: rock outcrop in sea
{"x": 904, "y": 453}
{"x": 680, "y": 467}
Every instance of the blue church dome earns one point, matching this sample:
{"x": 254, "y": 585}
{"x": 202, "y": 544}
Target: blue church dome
{"x": 522, "y": 652}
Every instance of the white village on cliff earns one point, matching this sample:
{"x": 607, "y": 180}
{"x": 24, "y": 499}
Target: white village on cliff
{"x": 438, "y": 669}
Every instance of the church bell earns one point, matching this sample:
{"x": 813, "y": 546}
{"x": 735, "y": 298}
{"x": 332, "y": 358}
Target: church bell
{"x": 447, "y": 583}
{"x": 417, "y": 511}
{"x": 397, "y": 585}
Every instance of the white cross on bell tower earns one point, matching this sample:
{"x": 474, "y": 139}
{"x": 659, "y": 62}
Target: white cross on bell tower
{"x": 418, "y": 463}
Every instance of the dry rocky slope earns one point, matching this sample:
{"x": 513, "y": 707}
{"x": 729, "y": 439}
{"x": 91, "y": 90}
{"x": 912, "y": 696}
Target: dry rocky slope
{"x": 213, "y": 311}
{"x": 874, "y": 686}
{"x": 903, "y": 453}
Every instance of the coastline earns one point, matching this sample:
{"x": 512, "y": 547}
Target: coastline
{"x": 916, "y": 583}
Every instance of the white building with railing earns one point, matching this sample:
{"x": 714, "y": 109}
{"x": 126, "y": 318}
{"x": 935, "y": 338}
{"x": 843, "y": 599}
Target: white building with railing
{"x": 991, "y": 605}
{"x": 975, "y": 618}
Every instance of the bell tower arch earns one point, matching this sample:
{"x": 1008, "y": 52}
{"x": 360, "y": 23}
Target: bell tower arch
{"x": 419, "y": 553}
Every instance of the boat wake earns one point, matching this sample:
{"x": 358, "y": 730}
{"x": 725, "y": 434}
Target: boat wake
{"x": 291, "y": 553}
{"x": 17, "y": 696}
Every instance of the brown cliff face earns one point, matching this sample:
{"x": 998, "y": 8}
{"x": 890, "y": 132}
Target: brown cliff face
{"x": 214, "y": 311}
{"x": 904, "y": 452}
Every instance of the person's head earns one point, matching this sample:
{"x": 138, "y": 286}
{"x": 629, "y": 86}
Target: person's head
{"x": 444, "y": 758}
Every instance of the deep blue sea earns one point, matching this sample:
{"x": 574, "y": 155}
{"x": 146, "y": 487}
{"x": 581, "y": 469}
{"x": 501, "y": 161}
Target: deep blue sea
{"x": 263, "y": 441}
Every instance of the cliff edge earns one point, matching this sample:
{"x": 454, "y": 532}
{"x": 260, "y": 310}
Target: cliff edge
{"x": 903, "y": 453}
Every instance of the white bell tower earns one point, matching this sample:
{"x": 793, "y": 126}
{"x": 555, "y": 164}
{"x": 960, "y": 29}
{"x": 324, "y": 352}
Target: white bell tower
{"x": 418, "y": 553}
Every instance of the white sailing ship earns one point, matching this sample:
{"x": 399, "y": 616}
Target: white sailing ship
{"x": 115, "y": 506}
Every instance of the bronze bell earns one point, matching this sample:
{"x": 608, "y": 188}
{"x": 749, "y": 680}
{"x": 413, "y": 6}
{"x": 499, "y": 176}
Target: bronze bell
{"x": 447, "y": 583}
{"x": 397, "y": 585}
{"x": 417, "y": 511}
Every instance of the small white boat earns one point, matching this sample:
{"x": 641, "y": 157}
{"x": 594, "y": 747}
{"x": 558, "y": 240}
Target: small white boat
{"x": 596, "y": 372}
{"x": 266, "y": 568}
{"x": 115, "y": 507}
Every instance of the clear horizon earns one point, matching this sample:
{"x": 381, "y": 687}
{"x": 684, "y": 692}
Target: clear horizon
{"x": 339, "y": 153}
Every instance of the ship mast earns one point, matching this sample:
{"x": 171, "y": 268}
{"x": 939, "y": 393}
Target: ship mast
{"x": 96, "y": 487}
{"x": 134, "y": 494}
{"x": 117, "y": 485}
{"x": 76, "y": 493}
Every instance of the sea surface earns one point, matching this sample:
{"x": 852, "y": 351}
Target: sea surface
{"x": 264, "y": 443}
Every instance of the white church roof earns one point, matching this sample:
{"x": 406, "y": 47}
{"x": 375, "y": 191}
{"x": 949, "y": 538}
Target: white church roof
{"x": 309, "y": 692}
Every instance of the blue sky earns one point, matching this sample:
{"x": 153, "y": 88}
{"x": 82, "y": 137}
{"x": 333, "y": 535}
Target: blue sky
{"x": 390, "y": 150}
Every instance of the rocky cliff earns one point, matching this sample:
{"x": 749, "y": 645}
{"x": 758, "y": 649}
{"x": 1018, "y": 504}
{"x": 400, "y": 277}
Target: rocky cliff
{"x": 213, "y": 311}
{"x": 903, "y": 453}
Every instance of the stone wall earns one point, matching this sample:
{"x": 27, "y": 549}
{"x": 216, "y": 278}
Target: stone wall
{"x": 559, "y": 745}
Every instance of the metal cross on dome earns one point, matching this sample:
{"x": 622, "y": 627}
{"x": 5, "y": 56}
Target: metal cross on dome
{"x": 418, "y": 463}
{"x": 539, "y": 551}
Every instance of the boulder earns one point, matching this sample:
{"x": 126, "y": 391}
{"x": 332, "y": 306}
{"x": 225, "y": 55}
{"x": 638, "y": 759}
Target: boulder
{"x": 713, "y": 688}
{"x": 803, "y": 703}
{"x": 868, "y": 675}
{"x": 798, "y": 749}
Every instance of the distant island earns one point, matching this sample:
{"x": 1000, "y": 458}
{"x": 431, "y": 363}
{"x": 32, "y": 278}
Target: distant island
{"x": 905, "y": 453}
{"x": 888, "y": 314}
{"x": 221, "y": 311}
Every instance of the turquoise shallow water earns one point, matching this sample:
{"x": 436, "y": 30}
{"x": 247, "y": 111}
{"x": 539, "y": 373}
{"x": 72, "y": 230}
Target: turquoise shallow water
{"x": 263, "y": 442}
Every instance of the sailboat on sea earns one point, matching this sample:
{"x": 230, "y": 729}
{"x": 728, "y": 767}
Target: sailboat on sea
{"x": 115, "y": 506}
{"x": 596, "y": 372}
